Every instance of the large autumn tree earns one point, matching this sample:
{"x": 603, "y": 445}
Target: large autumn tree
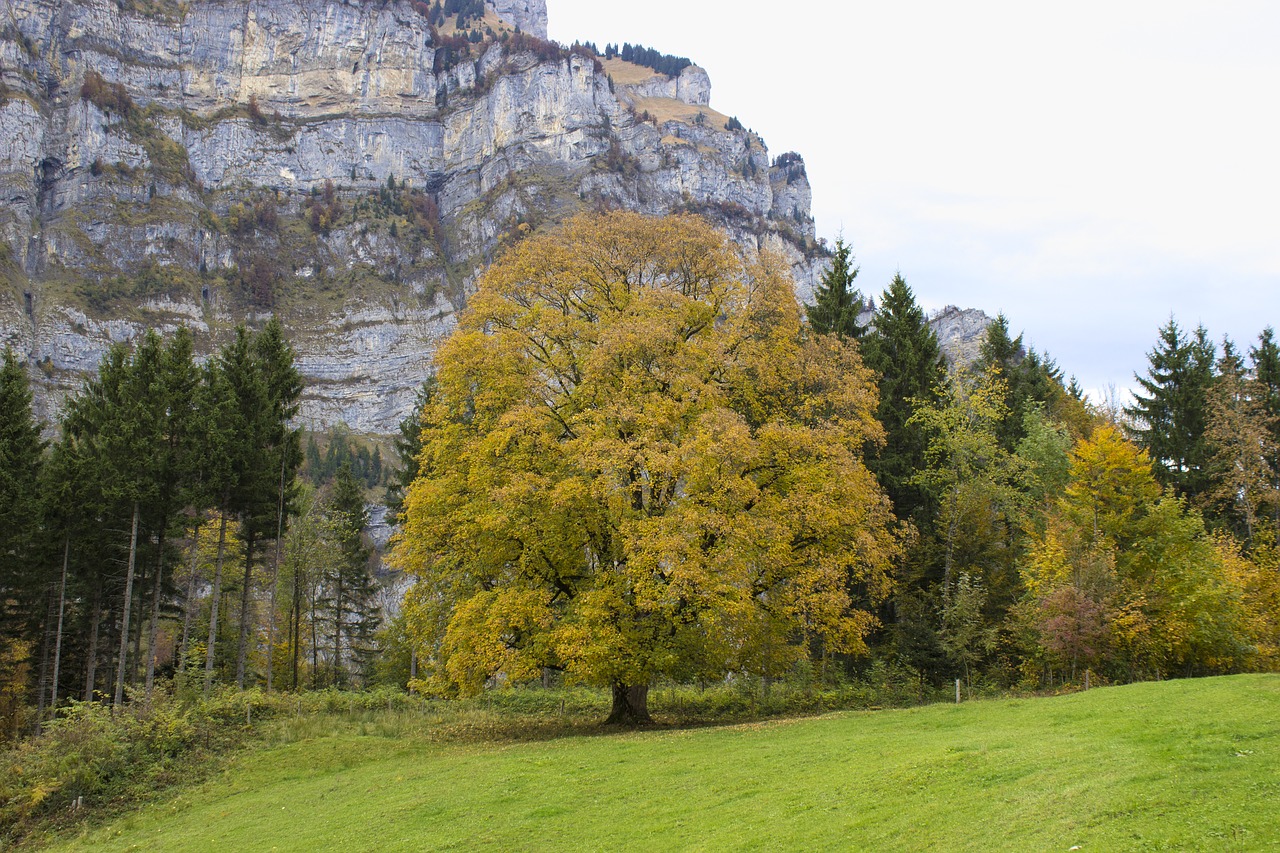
{"x": 637, "y": 463}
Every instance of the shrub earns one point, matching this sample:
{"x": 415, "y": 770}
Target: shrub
{"x": 108, "y": 97}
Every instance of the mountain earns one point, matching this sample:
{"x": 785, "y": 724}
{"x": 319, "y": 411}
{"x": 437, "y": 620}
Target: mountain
{"x": 349, "y": 166}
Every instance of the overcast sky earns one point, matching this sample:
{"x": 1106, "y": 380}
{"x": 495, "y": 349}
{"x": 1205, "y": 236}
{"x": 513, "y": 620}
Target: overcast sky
{"x": 1088, "y": 168}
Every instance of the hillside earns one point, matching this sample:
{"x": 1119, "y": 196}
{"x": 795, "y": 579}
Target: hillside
{"x": 347, "y": 165}
{"x": 1172, "y": 765}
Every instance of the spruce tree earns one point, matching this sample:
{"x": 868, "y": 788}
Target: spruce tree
{"x": 1170, "y": 412}
{"x": 837, "y": 303}
{"x": 118, "y": 425}
{"x": 23, "y": 582}
{"x": 1264, "y": 388}
{"x": 284, "y": 389}
{"x": 174, "y": 465}
{"x": 905, "y": 355}
{"x": 351, "y": 592}
{"x": 408, "y": 445}
{"x": 1030, "y": 380}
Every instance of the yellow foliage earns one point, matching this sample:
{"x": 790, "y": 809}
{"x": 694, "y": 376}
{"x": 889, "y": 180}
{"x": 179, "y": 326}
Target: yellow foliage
{"x": 638, "y": 463}
{"x": 1111, "y": 485}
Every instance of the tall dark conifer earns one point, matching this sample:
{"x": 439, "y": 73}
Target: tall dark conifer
{"x": 350, "y": 598}
{"x": 910, "y": 367}
{"x": 837, "y": 303}
{"x": 24, "y": 583}
{"x": 230, "y": 453}
{"x": 408, "y": 445}
{"x": 1264, "y": 360}
{"x": 174, "y": 465}
{"x": 1170, "y": 412}
{"x": 117, "y": 425}
{"x": 1030, "y": 379}
{"x": 284, "y": 388}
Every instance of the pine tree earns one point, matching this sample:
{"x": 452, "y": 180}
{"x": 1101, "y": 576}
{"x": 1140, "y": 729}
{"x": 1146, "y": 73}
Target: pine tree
{"x": 240, "y": 475}
{"x": 24, "y": 585}
{"x": 407, "y": 444}
{"x": 118, "y": 424}
{"x": 837, "y": 303}
{"x": 174, "y": 465}
{"x": 1265, "y": 390}
{"x": 67, "y": 511}
{"x": 1240, "y": 472}
{"x": 350, "y": 598}
{"x": 1030, "y": 380}
{"x": 284, "y": 388}
{"x": 905, "y": 355}
{"x": 1171, "y": 410}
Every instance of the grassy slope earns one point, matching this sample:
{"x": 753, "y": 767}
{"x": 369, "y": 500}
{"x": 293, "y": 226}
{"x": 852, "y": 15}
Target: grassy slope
{"x": 1183, "y": 765}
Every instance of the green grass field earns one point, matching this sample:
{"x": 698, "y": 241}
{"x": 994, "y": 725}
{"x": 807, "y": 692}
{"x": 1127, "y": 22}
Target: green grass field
{"x": 1184, "y": 765}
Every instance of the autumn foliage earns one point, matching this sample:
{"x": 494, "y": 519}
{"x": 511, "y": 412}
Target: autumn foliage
{"x": 637, "y": 463}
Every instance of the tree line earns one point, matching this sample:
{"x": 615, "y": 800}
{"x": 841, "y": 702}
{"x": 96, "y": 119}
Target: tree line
{"x": 165, "y": 533}
{"x": 640, "y": 459}
{"x": 638, "y": 464}
{"x": 1051, "y": 536}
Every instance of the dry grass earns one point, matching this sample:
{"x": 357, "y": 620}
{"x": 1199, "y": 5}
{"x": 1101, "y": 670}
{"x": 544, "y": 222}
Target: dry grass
{"x": 669, "y": 109}
{"x": 627, "y": 73}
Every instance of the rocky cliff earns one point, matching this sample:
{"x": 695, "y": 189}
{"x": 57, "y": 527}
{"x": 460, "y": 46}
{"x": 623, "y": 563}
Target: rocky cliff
{"x": 350, "y": 166}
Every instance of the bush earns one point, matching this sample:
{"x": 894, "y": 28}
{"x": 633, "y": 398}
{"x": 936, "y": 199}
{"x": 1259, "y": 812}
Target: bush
{"x": 108, "y": 97}
{"x": 87, "y": 758}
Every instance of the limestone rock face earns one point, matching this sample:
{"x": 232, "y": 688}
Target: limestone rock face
{"x": 338, "y": 163}
{"x": 693, "y": 87}
{"x": 960, "y": 332}
{"x": 529, "y": 15}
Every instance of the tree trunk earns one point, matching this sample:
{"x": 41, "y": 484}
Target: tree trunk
{"x": 46, "y": 653}
{"x": 188, "y": 606}
{"x": 275, "y": 578}
{"x": 949, "y": 560}
{"x": 630, "y": 706}
{"x": 95, "y": 625}
{"x": 315, "y": 647}
{"x": 153, "y": 629}
{"x": 124, "y": 617}
{"x": 295, "y": 626}
{"x": 135, "y": 659}
{"x": 62, "y": 609}
{"x": 337, "y": 632}
{"x": 242, "y": 648}
{"x": 213, "y": 604}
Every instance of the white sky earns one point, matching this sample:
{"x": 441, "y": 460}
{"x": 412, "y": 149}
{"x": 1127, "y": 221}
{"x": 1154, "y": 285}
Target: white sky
{"x": 1089, "y": 168}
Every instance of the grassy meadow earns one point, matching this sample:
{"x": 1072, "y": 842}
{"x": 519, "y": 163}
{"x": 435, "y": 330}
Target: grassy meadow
{"x": 1191, "y": 764}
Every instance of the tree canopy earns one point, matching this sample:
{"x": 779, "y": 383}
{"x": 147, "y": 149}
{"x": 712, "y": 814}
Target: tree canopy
{"x": 637, "y": 463}
{"x": 837, "y": 303}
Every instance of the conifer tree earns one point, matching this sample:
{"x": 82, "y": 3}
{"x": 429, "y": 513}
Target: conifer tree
{"x": 837, "y": 303}
{"x": 1029, "y": 379}
{"x": 905, "y": 355}
{"x": 1264, "y": 389}
{"x": 1241, "y": 450}
{"x": 23, "y": 586}
{"x": 118, "y": 424}
{"x": 350, "y": 599}
{"x": 174, "y": 465}
{"x": 1170, "y": 411}
{"x": 408, "y": 445}
{"x": 67, "y": 510}
{"x": 236, "y": 410}
{"x": 284, "y": 388}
